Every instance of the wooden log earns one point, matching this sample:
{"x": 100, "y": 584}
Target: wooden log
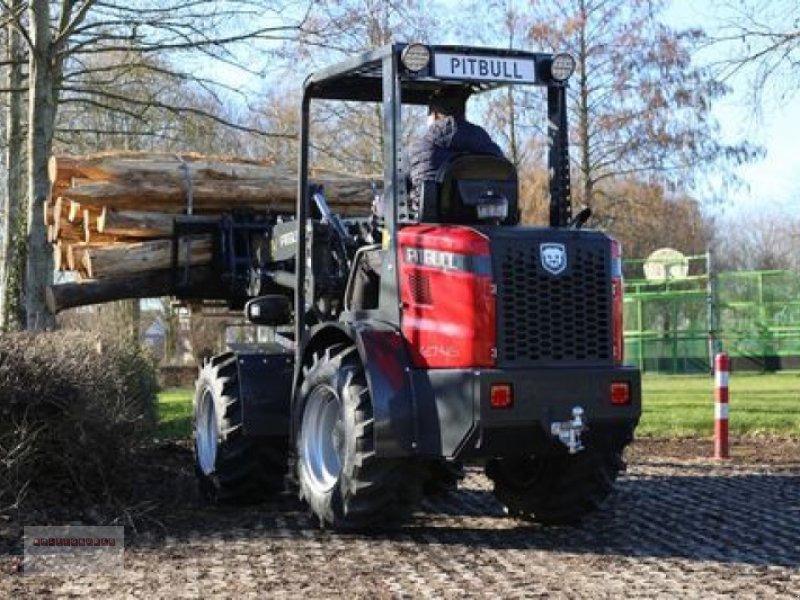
{"x": 126, "y": 259}
{"x": 345, "y": 196}
{"x": 74, "y": 256}
{"x": 67, "y": 232}
{"x": 75, "y": 213}
{"x": 116, "y": 165}
{"x": 57, "y": 188}
{"x": 60, "y": 256}
{"x": 75, "y": 253}
{"x": 204, "y": 283}
{"x": 86, "y": 223}
{"x": 135, "y": 224}
{"x": 58, "y": 205}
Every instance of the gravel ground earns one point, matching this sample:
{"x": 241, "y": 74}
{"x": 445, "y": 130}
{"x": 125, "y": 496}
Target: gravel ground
{"x": 677, "y": 526}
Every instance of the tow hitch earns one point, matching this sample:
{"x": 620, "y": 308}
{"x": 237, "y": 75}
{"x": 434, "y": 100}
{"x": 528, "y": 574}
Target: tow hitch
{"x": 569, "y": 432}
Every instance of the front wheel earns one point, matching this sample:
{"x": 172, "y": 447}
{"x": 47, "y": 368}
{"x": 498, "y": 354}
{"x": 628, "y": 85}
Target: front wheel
{"x": 231, "y": 467}
{"x": 339, "y": 476}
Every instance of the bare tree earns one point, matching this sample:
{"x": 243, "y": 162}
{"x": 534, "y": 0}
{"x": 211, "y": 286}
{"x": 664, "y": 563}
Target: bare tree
{"x": 349, "y": 137}
{"x": 12, "y": 268}
{"x": 60, "y": 35}
{"x": 762, "y": 39}
{"x": 640, "y": 106}
{"x": 762, "y": 241}
{"x": 511, "y": 114}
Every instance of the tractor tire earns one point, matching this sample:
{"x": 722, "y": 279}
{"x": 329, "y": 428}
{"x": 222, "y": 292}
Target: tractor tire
{"x": 344, "y": 484}
{"x": 230, "y": 467}
{"x": 556, "y": 490}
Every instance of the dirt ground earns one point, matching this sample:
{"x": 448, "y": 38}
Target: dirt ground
{"x": 679, "y": 525}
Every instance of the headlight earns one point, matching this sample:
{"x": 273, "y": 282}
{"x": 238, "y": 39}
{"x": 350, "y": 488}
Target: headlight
{"x": 415, "y": 57}
{"x": 562, "y": 67}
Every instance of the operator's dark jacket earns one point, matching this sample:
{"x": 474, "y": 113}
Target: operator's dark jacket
{"x": 445, "y": 137}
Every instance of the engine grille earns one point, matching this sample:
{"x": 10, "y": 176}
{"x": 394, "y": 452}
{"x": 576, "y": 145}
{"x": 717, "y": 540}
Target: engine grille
{"x": 545, "y": 319}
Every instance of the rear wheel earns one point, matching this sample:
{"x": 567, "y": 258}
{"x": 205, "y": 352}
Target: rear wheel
{"x": 556, "y": 489}
{"x": 339, "y": 476}
{"x": 231, "y": 467}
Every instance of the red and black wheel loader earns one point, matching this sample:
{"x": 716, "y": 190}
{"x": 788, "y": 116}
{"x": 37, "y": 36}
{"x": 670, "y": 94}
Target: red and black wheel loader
{"x": 475, "y": 339}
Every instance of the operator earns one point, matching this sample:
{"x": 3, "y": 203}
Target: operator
{"x": 448, "y": 133}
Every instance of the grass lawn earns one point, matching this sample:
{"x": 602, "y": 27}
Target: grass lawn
{"x": 673, "y": 406}
{"x": 683, "y": 406}
{"x": 175, "y": 413}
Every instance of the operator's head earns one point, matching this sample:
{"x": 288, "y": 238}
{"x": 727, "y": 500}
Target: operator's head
{"x": 448, "y": 102}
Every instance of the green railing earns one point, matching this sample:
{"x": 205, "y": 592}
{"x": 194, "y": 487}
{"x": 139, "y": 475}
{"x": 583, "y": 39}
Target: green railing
{"x": 675, "y": 325}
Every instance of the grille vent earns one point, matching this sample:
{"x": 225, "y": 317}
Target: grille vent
{"x": 546, "y": 319}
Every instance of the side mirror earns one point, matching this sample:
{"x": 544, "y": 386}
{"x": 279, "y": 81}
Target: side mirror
{"x": 268, "y": 310}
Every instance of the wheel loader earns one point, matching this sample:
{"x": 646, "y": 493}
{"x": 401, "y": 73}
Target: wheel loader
{"x": 472, "y": 339}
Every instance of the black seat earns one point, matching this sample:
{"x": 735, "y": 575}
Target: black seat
{"x": 466, "y": 182}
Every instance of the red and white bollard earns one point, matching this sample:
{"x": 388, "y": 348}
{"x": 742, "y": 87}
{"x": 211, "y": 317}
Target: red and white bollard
{"x": 721, "y": 370}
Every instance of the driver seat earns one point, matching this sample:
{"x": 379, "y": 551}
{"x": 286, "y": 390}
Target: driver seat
{"x": 464, "y": 184}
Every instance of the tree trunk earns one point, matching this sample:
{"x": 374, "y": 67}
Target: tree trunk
{"x": 133, "y": 315}
{"x": 513, "y": 144}
{"x": 12, "y": 307}
{"x": 41, "y": 118}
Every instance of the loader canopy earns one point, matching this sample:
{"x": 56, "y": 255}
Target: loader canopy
{"x": 399, "y": 74}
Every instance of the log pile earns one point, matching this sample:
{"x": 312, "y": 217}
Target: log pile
{"x": 110, "y": 216}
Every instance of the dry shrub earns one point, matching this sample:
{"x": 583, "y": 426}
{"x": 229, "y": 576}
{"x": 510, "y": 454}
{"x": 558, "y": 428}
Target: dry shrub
{"x": 73, "y": 408}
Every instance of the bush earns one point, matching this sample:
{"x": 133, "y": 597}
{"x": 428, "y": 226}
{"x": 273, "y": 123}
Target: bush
{"x": 73, "y": 408}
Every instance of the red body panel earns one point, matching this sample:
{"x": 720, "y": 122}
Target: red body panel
{"x": 448, "y": 316}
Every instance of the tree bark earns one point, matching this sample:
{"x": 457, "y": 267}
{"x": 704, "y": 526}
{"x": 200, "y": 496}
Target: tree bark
{"x": 75, "y": 255}
{"x": 584, "y": 139}
{"x": 120, "y": 260}
{"x": 12, "y": 306}
{"x": 137, "y": 224}
{"x": 41, "y": 118}
{"x": 162, "y": 183}
{"x": 64, "y": 170}
{"x": 345, "y": 195}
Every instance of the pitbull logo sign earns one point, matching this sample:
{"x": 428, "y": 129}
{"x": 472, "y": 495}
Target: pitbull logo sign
{"x": 554, "y": 258}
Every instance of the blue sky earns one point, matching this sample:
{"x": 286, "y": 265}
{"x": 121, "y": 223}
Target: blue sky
{"x": 772, "y": 183}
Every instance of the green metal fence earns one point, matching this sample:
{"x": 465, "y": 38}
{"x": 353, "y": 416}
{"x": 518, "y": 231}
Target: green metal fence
{"x": 675, "y": 324}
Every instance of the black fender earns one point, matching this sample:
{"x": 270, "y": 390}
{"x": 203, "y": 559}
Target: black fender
{"x": 265, "y": 386}
{"x": 388, "y": 371}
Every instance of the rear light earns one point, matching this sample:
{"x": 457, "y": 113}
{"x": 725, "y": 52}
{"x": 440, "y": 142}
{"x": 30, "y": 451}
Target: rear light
{"x": 501, "y": 395}
{"x": 620, "y": 393}
{"x": 618, "y": 331}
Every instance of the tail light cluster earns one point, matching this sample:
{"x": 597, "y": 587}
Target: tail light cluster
{"x": 617, "y": 302}
{"x": 448, "y": 304}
